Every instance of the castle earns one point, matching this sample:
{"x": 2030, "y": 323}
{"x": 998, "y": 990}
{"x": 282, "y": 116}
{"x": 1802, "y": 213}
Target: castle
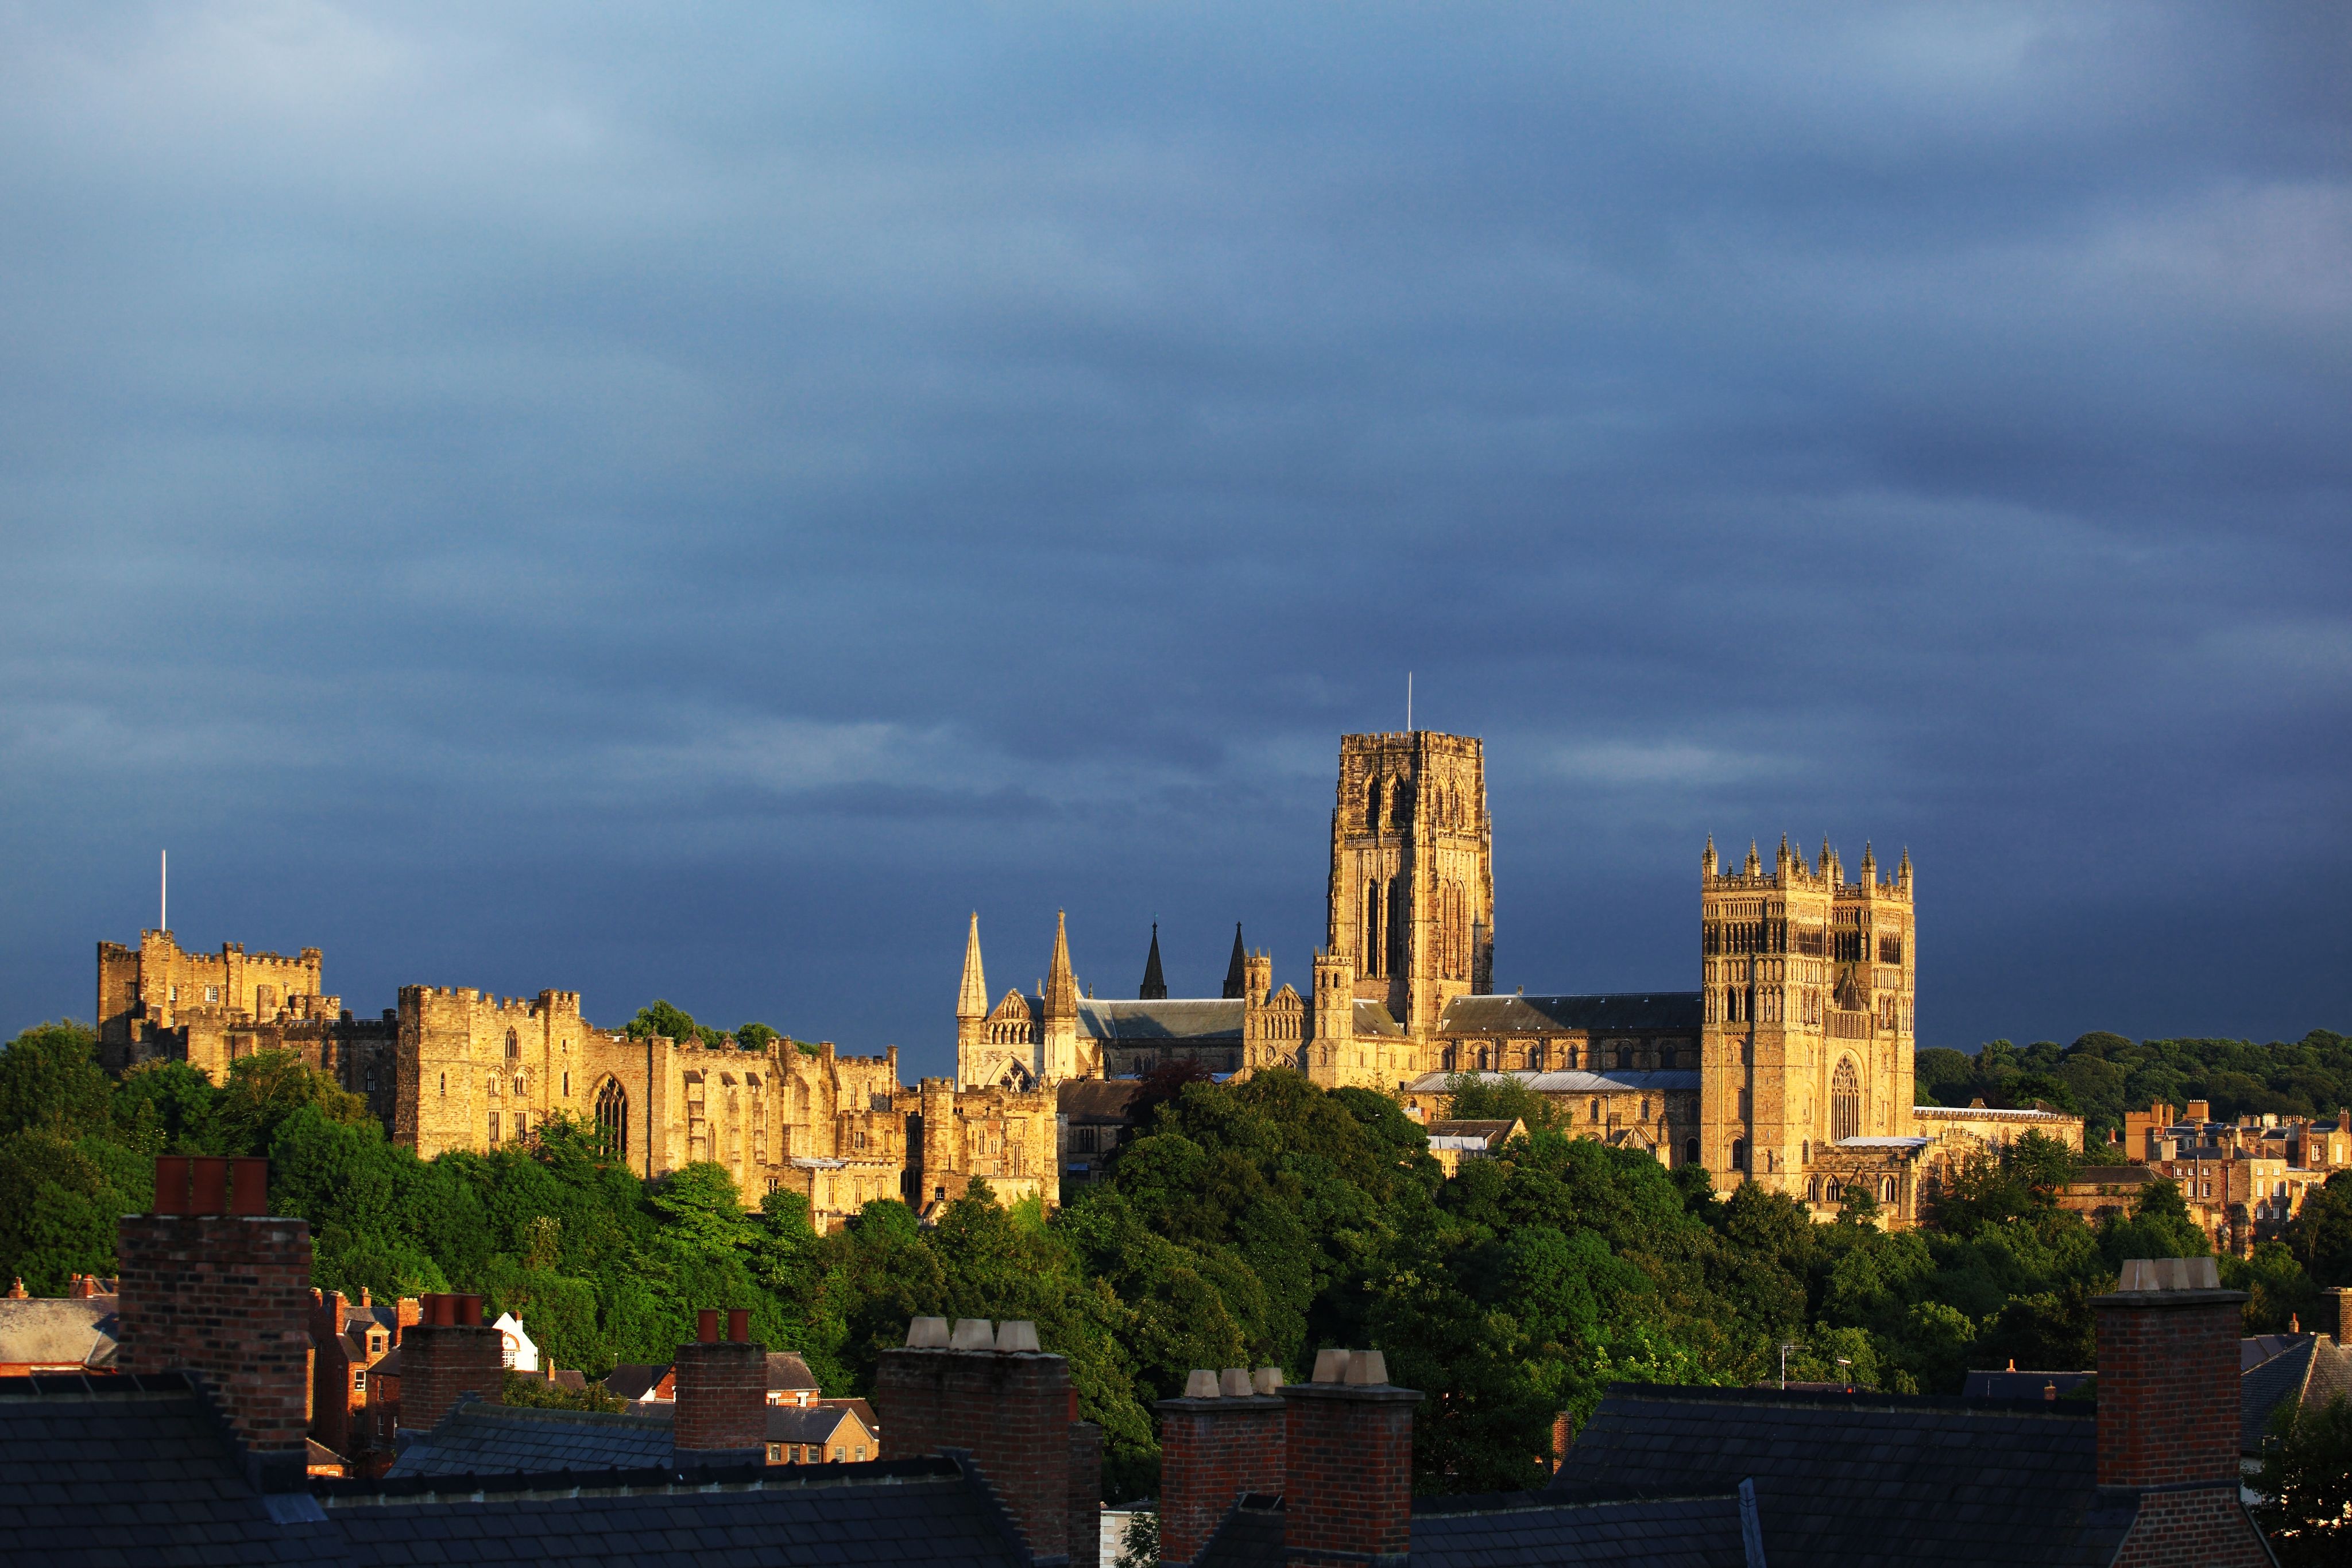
{"x": 1790, "y": 1066}
{"x": 456, "y": 1068}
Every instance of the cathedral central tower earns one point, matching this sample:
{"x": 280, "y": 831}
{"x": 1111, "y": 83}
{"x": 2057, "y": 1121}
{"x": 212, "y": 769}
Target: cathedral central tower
{"x": 1413, "y": 886}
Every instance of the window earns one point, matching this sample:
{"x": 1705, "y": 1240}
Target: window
{"x": 1739, "y": 1154}
{"x": 445, "y": 1086}
{"x": 1596, "y": 1110}
{"x": 1690, "y": 1151}
{"x": 612, "y": 1118}
{"x": 212, "y": 993}
{"x": 567, "y": 1086}
{"x": 1624, "y": 1058}
{"x": 808, "y": 1454}
{"x": 839, "y": 1454}
{"x": 1886, "y": 1189}
{"x": 1667, "y": 1058}
{"x": 518, "y": 1126}
{"x": 775, "y": 1452}
{"x": 358, "y": 1380}
{"x": 368, "y": 1080}
{"x": 1646, "y": 1107}
{"x": 514, "y": 1046}
{"x": 1845, "y": 1101}
{"x": 1813, "y": 1189}
{"x": 494, "y": 1085}
{"x": 861, "y": 1453}
{"x": 1833, "y": 1192}
{"x": 494, "y": 1129}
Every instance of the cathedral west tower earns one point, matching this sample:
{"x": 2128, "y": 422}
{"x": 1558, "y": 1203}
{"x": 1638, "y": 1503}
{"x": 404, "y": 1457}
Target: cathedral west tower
{"x": 1411, "y": 899}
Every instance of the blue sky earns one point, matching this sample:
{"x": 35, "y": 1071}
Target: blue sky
{"x": 694, "y": 501}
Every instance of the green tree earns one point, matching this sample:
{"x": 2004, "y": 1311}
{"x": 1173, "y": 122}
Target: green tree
{"x": 267, "y": 1088}
{"x": 671, "y": 1023}
{"x": 1475, "y": 1099}
{"x": 2306, "y": 1477}
{"x": 51, "y": 1083}
{"x": 755, "y": 1035}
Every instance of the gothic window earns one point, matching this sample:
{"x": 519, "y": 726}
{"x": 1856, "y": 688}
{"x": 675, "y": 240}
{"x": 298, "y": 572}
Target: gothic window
{"x": 1537, "y": 1056}
{"x": 369, "y": 1079}
{"x": 1667, "y": 1058}
{"x": 1690, "y": 1151}
{"x": 1845, "y": 1101}
{"x": 520, "y": 1086}
{"x": 1739, "y": 1154}
{"x": 1624, "y": 1058}
{"x": 1833, "y": 1192}
{"x": 514, "y": 1046}
{"x": 1396, "y": 923}
{"x": 494, "y": 1085}
{"x": 1646, "y": 1107}
{"x": 1596, "y": 1110}
{"x": 1372, "y": 927}
{"x": 519, "y": 1122}
{"x": 1813, "y": 1190}
{"x": 1372, "y": 807}
{"x": 1886, "y": 1189}
{"x": 612, "y": 1118}
{"x": 494, "y": 1129}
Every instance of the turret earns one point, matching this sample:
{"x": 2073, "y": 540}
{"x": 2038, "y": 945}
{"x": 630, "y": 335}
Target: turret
{"x": 1902, "y": 873}
{"x": 1257, "y": 977}
{"x": 1706, "y": 862}
{"x": 1755, "y": 866}
{"x": 1869, "y": 866}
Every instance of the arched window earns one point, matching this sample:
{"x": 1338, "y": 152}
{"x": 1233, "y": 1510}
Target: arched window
{"x": 1596, "y": 1110}
{"x": 514, "y": 1046}
{"x": 1690, "y": 1151}
{"x": 612, "y": 1118}
{"x": 1845, "y": 1101}
{"x": 1739, "y": 1154}
{"x": 1396, "y": 925}
{"x": 1886, "y": 1189}
{"x": 1624, "y": 1058}
{"x": 1371, "y": 928}
{"x": 1372, "y": 807}
{"x": 1808, "y": 1146}
{"x": 1667, "y": 1058}
{"x": 1835, "y": 1193}
{"x": 1813, "y": 1190}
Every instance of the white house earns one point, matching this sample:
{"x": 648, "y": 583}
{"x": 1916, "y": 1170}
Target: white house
{"x": 516, "y": 1347}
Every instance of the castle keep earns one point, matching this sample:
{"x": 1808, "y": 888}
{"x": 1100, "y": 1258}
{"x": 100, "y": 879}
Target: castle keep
{"x": 1791, "y": 1065}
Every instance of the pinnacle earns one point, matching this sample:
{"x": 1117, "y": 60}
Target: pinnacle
{"x": 971, "y": 1001}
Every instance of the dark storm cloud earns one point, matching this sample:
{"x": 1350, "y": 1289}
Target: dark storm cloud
{"x": 694, "y": 504}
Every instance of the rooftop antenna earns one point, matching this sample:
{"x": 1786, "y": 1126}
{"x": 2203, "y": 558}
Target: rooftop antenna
{"x": 164, "y": 913}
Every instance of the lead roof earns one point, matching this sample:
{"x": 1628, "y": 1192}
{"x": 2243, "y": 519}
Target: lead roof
{"x": 1476, "y": 1015}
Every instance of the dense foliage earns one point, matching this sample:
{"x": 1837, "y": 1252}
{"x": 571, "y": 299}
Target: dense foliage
{"x": 2101, "y": 1076}
{"x": 1246, "y": 1224}
{"x": 2308, "y": 1475}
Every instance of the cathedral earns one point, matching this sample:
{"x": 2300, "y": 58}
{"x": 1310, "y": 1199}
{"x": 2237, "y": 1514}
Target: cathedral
{"x": 1789, "y": 1065}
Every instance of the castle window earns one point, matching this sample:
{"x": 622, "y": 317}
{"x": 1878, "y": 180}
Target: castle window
{"x": 1690, "y": 1151}
{"x": 514, "y": 1046}
{"x": 1813, "y": 1190}
{"x": 520, "y": 1086}
{"x": 1646, "y": 1107}
{"x": 1739, "y": 1154}
{"x": 1397, "y": 919}
{"x": 1845, "y": 1101}
{"x": 494, "y": 1085}
{"x": 612, "y": 1118}
{"x": 1372, "y": 807}
{"x": 212, "y": 993}
{"x": 567, "y": 1086}
{"x": 1624, "y": 1058}
{"x": 369, "y": 1079}
{"x": 494, "y": 1129}
{"x": 1667, "y": 1058}
{"x": 1596, "y": 1110}
{"x": 1886, "y": 1189}
{"x": 1833, "y": 1192}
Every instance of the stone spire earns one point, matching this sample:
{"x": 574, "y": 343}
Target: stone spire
{"x": 1236, "y": 970}
{"x": 1755, "y": 862}
{"x": 1061, "y": 997}
{"x": 971, "y": 1002}
{"x": 1903, "y": 871}
{"x": 1155, "y": 984}
{"x": 1706, "y": 862}
{"x": 1869, "y": 864}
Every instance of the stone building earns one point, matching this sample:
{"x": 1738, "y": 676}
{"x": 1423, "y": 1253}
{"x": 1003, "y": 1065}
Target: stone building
{"x": 453, "y": 1067}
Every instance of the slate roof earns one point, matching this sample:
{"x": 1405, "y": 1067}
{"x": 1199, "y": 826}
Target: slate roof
{"x": 1484, "y": 1131}
{"x": 2267, "y": 1384}
{"x": 134, "y": 1471}
{"x": 632, "y": 1380}
{"x": 807, "y": 1424}
{"x": 1865, "y": 1478}
{"x": 478, "y": 1439}
{"x": 924, "y": 1511}
{"x": 57, "y": 1330}
{"x": 115, "y": 1470}
{"x": 1374, "y": 1018}
{"x": 1207, "y": 1021}
{"x": 1555, "y": 1015}
{"x": 2021, "y": 1385}
{"x": 1519, "y": 1530}
{"x": 788, "y": 1372}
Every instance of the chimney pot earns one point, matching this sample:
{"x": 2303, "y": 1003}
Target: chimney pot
{"x": 927, "y": 1333}
{"x": 1016, "y": 1334}
{"x": 738, "y": 1325}
{"x": 1367, "y": 1366}
{"x": 1201, "y": 1384}
{"x": 1330, "y": 1366}
{"x": 1234, "y": 1383}
{"x": 706, "y": 1327}
{"x": 210, "y": 1195}
{"x": 174, "y": 1176}
{"x": 972, "y": 1333}
{"x": 248, "y": 1186}
{"x": 1266, "y": 1380}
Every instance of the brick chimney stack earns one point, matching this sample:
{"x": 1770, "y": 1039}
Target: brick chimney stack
{"x": 992, "y": 1393}
{"x": 216, "y": 1287}
{"x": 1347, "y": 1487}
{"x": 2334, "y": 1312}
{"x": 1223, "y": 1439}
{"x": 2169, "y": 1410}
{"x": 723, "y": 1394}
{"x": 447, "y": 1355}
